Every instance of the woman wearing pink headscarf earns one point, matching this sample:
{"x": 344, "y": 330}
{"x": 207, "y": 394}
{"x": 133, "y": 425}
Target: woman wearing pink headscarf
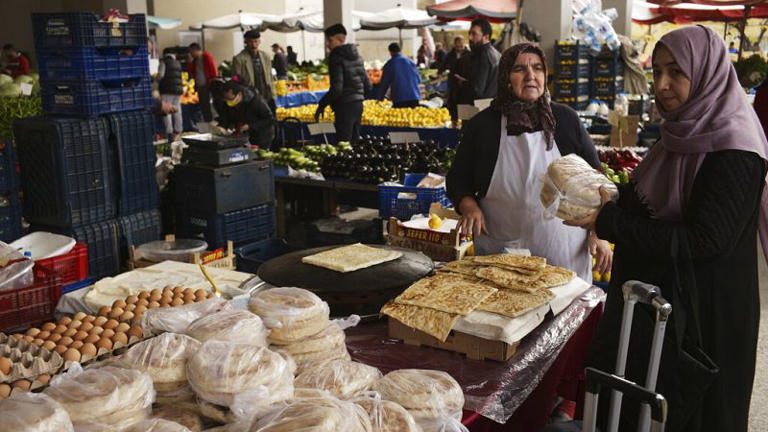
{"x": 688, "y": 222}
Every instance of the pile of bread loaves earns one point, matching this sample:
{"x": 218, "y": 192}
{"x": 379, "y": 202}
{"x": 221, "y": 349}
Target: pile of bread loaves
{"x": 571, "y": 188}
{"x": 283, "y": 365}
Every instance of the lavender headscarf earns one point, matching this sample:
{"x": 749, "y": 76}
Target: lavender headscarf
{"x": 716, "y": 116}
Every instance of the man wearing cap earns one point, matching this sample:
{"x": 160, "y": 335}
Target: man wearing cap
{"x": 349, "y": 84}
{"x": 253, "y": 67}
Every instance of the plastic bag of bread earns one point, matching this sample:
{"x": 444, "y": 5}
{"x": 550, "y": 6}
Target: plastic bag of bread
{"x": 104, "y": 398}
{"x": 386, "y": 416}
{"x": 178, "y": 318}
{"x": 571, "y": 188}
{"x": 291, "y": 313}
{"x": 320, "y": 414}
{"x": 237, "y": 326}
{"x": 33, "y": 412}
{"x": 164, "y": 358}
{"x": 342, "y": 378}
{"x": 329, "y": 344}
{"x": 221, "y": 370}
{"x": 157, "y": 425}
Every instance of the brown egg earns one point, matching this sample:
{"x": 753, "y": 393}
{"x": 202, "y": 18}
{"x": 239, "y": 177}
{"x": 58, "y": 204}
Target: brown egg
{"x": 105, "y": 343}
{"x": 130, "y": 308}
{"x": 33, "y": 331}
{"x": 177, "y": 302}
{"x": 107, "y": 333}
{"x": 99, "y": 321}
{"x": 61, "y": 328}
{"x": 140, "y": 309}
{"x": 155, "y": 297}
{"x": 153, "y": 305}
{"x": 79, "y": 316}
{"x": 80, "y": 335}
{"x": 189, "y": 301}
{"x": 29, "y": 339}
{"x": 55, "y": 337}
{"x": 118, "y": 304}
{"x": 22, "y": 385}
{"x": 5, "y": 365}
{"x": 5, "y": 391}
{"x": 136, "y": 332}
{"x": 177, "y": 290}
{"x": 48, "y": 326}
{"x": 165, "y": 305}
{"x": 126, "y": 316}
{"x": 156, "y": 291}
{"x": 43, "y": 335}
{"x": 49, "y": 345}
{"x": 75, "y": 324}
{"x": 66, "y": 341}
{"x": 123, "y": 327}
{"x": 201, "y": 293}
{"x": 92, "y": 338}
{"x": 86, "y": 326}
{"x": 61, "y": 349}
{"x": 38, "y": 342}
{"x": 120, "y": 337}
{"x": 131, "y": 299}
{"x": 111, "y": 324}
{"x": 191, "y": 297}
{"x": 165, "y": 301}
{"x": 70, "y": 332}
{"x": 71, "y": 355}
{"x": 18, "y": 336}
{"x": 77, "y": 345}
{"x": 88, "y": 350}
{"x": 142, "y": 303}
{"x": 96, "y": 331}
{"x": 143, "y": 295}
{"x": 116, "y": 312}
{"x": 188, "y": 291}
{"x": 43, "y": 379}
{"x": 88, "y": 319}
{"x": 104, "y": 310}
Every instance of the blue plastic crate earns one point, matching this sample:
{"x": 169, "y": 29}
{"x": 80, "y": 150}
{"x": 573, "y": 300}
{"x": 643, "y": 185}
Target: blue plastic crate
{"x": 74, "y": 286}
{"x": 8, "y": 176}
{"x": 606, "y": 87}
{"x": 10, "y": 217}
{"x": 103, "y": 243}
{"x": 92, "y": 63}
{"x": 571, "y": 88}
{"x": 93, "y": 98}
{"x": 570, "y": 51}
{"x": 574, "y": 70}
{"x": 131, "y": 136}
{"x": 65, "y": 171}
{"x": 239, "y": 226}
{"x": 86, "y": 29}
{"x": 607, "y": 67}
{"x": 140, "y": 228}
{"x": 403, "y": 208}
{"x": 252, "y": 255}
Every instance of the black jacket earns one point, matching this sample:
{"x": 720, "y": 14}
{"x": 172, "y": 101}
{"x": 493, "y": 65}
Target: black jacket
{"x": 253, "y": 111}
{"x": 280, "y": 63}
{"x": 349, "y": 80}
{"x": 476, "y": 155}
{"x": 484, "y": 74}
{"x": 449, "y": 63}
{"x": 171, "y": 83}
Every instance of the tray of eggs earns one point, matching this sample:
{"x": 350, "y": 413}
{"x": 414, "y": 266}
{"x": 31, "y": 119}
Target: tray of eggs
{"x": 24, "y": 365}
{"x": 133, "y": 307}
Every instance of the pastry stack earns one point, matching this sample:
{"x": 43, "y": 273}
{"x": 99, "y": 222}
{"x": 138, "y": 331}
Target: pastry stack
{"x": 318, "y": 414}
{"x": 342, "y": 378}
{"x": 236, "y": 326}
{"x": 386, "y": 416}
{"x": 157, "y": 425}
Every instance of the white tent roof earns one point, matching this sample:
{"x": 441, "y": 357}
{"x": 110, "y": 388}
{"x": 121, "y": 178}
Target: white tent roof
{"x": 240, "y": 19}
{"x": 311, "y": 21}
{"x": 398, "y": 17}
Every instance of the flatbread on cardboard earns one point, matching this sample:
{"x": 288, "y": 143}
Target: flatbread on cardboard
{"x": 531, "y": 263}
{"x": 446, "y": 293}
{"x": 512, "y": 303}
{"x": 432, "y": 322}
{"x": 554, "y": 276}
{"x": 509, "y": 280}
{"x": 347, "y": 259}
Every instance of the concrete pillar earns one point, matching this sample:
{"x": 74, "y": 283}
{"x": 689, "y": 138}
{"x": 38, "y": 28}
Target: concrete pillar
{"x": 622, "y": 24}
{"x": 552, "y": 18}
{"x": 339, "y": 11}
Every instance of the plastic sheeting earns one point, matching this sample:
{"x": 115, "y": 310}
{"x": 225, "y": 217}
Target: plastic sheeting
{"x": 493, "y": 389}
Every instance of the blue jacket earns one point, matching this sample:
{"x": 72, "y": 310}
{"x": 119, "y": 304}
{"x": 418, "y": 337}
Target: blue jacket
{"x": 402, "y": 75}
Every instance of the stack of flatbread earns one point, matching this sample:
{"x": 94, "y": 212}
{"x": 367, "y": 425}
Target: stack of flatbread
{"x": 350, "y": 258}
{"x": 508, "y": 285}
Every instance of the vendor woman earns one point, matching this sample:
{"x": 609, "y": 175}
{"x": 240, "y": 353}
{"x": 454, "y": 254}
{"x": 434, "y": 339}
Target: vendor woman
{"x": 505, "y": 150}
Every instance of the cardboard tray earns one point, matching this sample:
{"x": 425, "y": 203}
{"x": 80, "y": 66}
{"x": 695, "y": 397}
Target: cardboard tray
{"x": 439, "y": 246}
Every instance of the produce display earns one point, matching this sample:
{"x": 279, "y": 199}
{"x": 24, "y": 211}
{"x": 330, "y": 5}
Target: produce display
{"x": 378, "y": 113}
{"x": 618, "y": 164}
{"x": 190, "y": 96}
{"x": 13, "y": 105}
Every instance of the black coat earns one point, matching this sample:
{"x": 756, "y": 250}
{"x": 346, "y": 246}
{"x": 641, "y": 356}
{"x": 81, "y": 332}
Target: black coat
{"x": 253, "y": 111}
{"x": 171, "y": 83}
{"x": 484, "y": 72}
{"x": 720, "y": 227}
{"x": 349, "y": 80}
{"x": 280, "y": 63}
{"x": 476, "y": 155}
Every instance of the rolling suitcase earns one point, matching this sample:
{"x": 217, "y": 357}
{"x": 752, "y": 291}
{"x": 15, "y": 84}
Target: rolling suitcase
{"x": 653, "y": 412}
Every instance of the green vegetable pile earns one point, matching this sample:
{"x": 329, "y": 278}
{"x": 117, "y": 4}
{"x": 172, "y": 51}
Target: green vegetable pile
{"x": 752, "y": 71}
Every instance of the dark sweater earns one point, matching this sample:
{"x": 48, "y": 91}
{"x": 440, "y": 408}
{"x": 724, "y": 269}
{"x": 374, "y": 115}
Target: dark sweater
{"x": 476, "y": 156}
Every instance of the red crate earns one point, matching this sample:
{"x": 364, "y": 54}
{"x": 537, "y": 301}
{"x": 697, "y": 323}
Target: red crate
{"x": 24, "y": 307}
{"x": 71, "y": 267}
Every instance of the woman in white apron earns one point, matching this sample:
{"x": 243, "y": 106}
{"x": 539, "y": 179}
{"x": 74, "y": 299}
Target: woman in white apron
{"x": 504, "y": 152}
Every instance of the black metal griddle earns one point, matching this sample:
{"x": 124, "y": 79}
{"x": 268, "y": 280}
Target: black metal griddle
{"x": 361, "y": 292}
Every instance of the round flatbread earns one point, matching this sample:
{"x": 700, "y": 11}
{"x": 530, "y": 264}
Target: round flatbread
{"x": 342, "y": 378}
{"x": 420, "y": 389}
{"x": 32, "y": 412}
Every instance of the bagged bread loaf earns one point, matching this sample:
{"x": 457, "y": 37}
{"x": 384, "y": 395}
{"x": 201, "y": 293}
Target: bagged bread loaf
{"x": 33, "y": 412}
{"x": 329, "y": 344}
{"x": 292, "y": 314}
{"x": 157, "y": 425}
{"x": 164, "y": 358}
{"x": 320, "y": 414}
{"x": 177, "y": 319}
{"x": 571, "y": 188}
{"x": 237, "y": 326}
{"x": 107, "y": 398}
{"x": 386, "y": 416}
{"x": 342, "y": 378}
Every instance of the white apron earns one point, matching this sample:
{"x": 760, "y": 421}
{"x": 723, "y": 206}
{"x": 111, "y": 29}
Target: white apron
{"x": 514, "y": 215}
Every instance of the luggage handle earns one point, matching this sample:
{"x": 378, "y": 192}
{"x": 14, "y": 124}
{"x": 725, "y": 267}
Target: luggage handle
{"x": 642, "y": 292}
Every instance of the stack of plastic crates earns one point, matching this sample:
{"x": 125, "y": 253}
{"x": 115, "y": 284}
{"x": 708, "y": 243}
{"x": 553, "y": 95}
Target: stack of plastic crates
{"x": 10, "y": 208}
{"x": 572, "y": 74}
{"x": 607, "y": 76}
{"x": 405, "y": 201}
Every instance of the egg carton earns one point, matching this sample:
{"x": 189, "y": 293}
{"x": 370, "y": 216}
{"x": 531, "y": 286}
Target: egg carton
{"x": 27, "y": 360}
{"x": 133, "y": 307}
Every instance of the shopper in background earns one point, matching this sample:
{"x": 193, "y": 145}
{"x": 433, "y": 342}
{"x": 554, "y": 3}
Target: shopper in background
{"x": 401, "y": 76}
{"x": 291, "y": 57}
{"x": 349, "y": 84}
{"x": 279, "y": 62}
{"x": 245, "y": 111}
{"x": 16, "y": 62}
{"x": 459, "y": 50}
{"x": 439, "y": 56}
{"x": 423, "y": 55}
{"x": 202, "y": 68}
{"x": 253, "y": 68}
{"x": 171, "y": 88}
{"x": 457, "y": 63}
{"x": 483, "y": 75}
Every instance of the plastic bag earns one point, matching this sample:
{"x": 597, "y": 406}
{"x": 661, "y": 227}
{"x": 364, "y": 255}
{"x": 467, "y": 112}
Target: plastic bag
{"x": 592, "y": 25}
{"x": 237, "y": 326}
{"x": 291, "y": 313}
{"x": 342, "y": 378}
{"x": 221, "y": 370}
{"x": 321, "y": 414}
{"x": 157, "y": 425}
{"x": 386, "y": 416}
{"x": 103, "y": 398}
{"x": 164, "y": 358}
{"x": 426, "y": 394}
{"x": 329, "y": 344}
{"x": 19, "y": 273}
{"x": 571, "y": 188}
{"x": 177, "y": 319}
{"x": 33, "y": 412}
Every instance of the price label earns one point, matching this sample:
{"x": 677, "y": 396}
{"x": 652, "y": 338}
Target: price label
{"x": 321, "y": 128}
{"x": 466, "y": 112}
{"x": 403, "y": 137}
{"x": 26, "y": 89}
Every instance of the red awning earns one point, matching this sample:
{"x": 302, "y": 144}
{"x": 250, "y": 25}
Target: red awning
{"x": 649, "y": 12}
{"x": 493, "y": 10}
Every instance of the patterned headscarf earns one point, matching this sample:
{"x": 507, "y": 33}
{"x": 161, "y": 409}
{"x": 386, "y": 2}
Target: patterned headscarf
{"x": 522, "y": 116}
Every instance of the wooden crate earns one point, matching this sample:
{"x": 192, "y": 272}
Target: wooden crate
{"x": 219, "y": 258}
{"x": 436, "y": 245}
{"x": 474, "y": 347}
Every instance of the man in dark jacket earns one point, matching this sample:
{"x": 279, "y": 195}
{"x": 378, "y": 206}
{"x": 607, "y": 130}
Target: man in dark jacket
{"x": 246, "y": 111}
{"x": 279, "y": 62}
{"x": 292, "y": 57}
{"x": 484, "y": 71}
{"x": 171, "y": 87}
{"x": 401, "y": 75}
{"x": 459, "y": 50}
{"x": 349, "y": 84}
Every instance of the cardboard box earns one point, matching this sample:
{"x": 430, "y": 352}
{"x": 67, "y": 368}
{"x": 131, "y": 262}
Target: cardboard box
{"x": 474, "y": 347}
{"x": 439, "y": 246}
{"x": 624, "y": 130}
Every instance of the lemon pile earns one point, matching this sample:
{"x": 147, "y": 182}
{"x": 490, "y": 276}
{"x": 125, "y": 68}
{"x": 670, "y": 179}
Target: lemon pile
{"x": 378, "y": 113}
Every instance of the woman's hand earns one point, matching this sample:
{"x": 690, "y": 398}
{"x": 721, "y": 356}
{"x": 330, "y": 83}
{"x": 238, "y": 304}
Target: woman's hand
{"x": 472, "y": 218}
{"x": 601, "y": 250}
{"x": 588, "y": 222}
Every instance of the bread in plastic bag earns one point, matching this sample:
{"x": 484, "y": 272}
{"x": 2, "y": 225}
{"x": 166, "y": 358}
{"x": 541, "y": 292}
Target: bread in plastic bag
{"x": 183, "y": 414}
{"x": 178, "y": 318}
{"x": 571, "y": 188}
{"x": 33, "y": 412}
{"x": 329, "y": 344}
{"x": 104, "y": 398}
{"x": 342, "y": 378}
{"x": 164, "y": 358}
{"x": 156, "y": 425}
{"x": 221, "y": 370}
{"x": 291, "y": 313}
{"x": 423, "y": 392}
{"x": 237, "y": 326}
{"x": 386, "y": 416}
{"x": 321, "y": 414}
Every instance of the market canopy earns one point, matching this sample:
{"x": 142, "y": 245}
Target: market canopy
{"x": 162, "y": 23}
{"x": 648, "y": 12}
{"x": 494, "y": 10}
{"x": 240, "y": 19}
{"x": 311, "y": 21}
{"x": 397, "y": 17}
